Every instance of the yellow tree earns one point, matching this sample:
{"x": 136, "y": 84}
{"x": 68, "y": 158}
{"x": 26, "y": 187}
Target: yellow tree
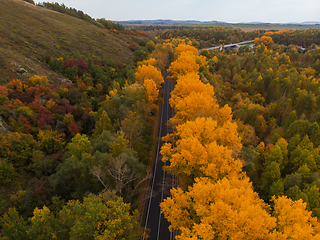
{"x": 266, "y": 40}
{"x": 230, "y": 209}
{"x": 187, "y": 60}
{"x": 152, "y": 97}
{"x": 150, "y": 61}
{"x": 203, "y": 148}
{"x": 193, "y": 106}
{"x": 257, "y": 41}
{"x": 185, "y": 63}
{"x": 151, "y": 89}
{"x": 226, "y": 209}
{"x": 191, "y": 99}
{"x": 188, "y": 83}
{"x": 163, "y": 53}
{"x": 220, "y": 202}
{"x": 149, "y": 72}
{"x": 186, "y": 48}
{"x": 294, "y": 221}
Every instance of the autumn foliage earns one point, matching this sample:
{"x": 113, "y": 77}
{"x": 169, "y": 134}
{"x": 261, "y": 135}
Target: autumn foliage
{"x": 219, "y": 201}
{"x": 245, "y": 145}
{"x": 59, "y": 142}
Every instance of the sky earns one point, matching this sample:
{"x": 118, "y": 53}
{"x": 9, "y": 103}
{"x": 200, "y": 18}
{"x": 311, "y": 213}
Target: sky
{"x": 233, "y": 11}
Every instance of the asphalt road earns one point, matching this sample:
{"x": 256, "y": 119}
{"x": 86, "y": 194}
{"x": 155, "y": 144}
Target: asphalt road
{"x": 162, "y": 182}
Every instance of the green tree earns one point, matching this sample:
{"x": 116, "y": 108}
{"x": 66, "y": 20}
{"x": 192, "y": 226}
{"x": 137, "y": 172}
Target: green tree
{"x": 132, "y": 127}
{"x": 294, "y": 179}
{"x": 13, "y": 226}
{"x": 102, "y": 216}
{"x": 80, "y": 144}
{"x": 103, "y": 142}
{"x": 313, "y": 203}
{"x": 73, "y": 177}
{"x": 304, "y": 154}
{"x": 294, "y": 193}
{"x": 150, "y": 46}
{"x": 119, "y": 144}
{"x": 43, "y": 224}
{"x": 300, "y": 127}
{"x": 103, "y": 124}
{"x": 276, "y": 189}
{"x": 6, "y": 171}
{"x": 123, "y": 173}
{"x": 51, "y": 141}
{"x": 18, "y": 148}
{"x": 274, "y": 155}
{"x": 270, "y": 179}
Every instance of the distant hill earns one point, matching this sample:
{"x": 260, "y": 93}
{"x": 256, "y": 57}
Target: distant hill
{"x": 166, "y": 22}
{"x": 307, "y": 23}
{"x": 30, "y": 33}
{"x": 195, "y": 22}
{"x": 161, "y": 24}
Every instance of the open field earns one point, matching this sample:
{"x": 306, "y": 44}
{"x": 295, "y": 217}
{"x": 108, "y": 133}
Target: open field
{"x": 252, "y": 27}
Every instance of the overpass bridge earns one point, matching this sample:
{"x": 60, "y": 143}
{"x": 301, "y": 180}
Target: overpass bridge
{"x": 232, "y": 45}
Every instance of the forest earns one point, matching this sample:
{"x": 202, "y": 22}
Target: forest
{"x": 88, "y": 139}
{"x": 76, "y": 156}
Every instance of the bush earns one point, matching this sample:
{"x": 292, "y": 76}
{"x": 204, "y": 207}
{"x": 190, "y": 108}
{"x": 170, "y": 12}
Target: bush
{"x": 29, "y": 1}
{"x": 6, "y": 171}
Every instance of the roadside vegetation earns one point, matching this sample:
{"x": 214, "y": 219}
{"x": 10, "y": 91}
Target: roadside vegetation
{"x": 248, "y": 169}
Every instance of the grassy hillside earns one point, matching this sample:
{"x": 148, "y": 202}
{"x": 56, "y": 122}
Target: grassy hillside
{"x": 29, "y": 34}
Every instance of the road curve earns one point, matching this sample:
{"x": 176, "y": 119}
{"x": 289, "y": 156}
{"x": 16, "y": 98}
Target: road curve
{"x": 162, "y": 182}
